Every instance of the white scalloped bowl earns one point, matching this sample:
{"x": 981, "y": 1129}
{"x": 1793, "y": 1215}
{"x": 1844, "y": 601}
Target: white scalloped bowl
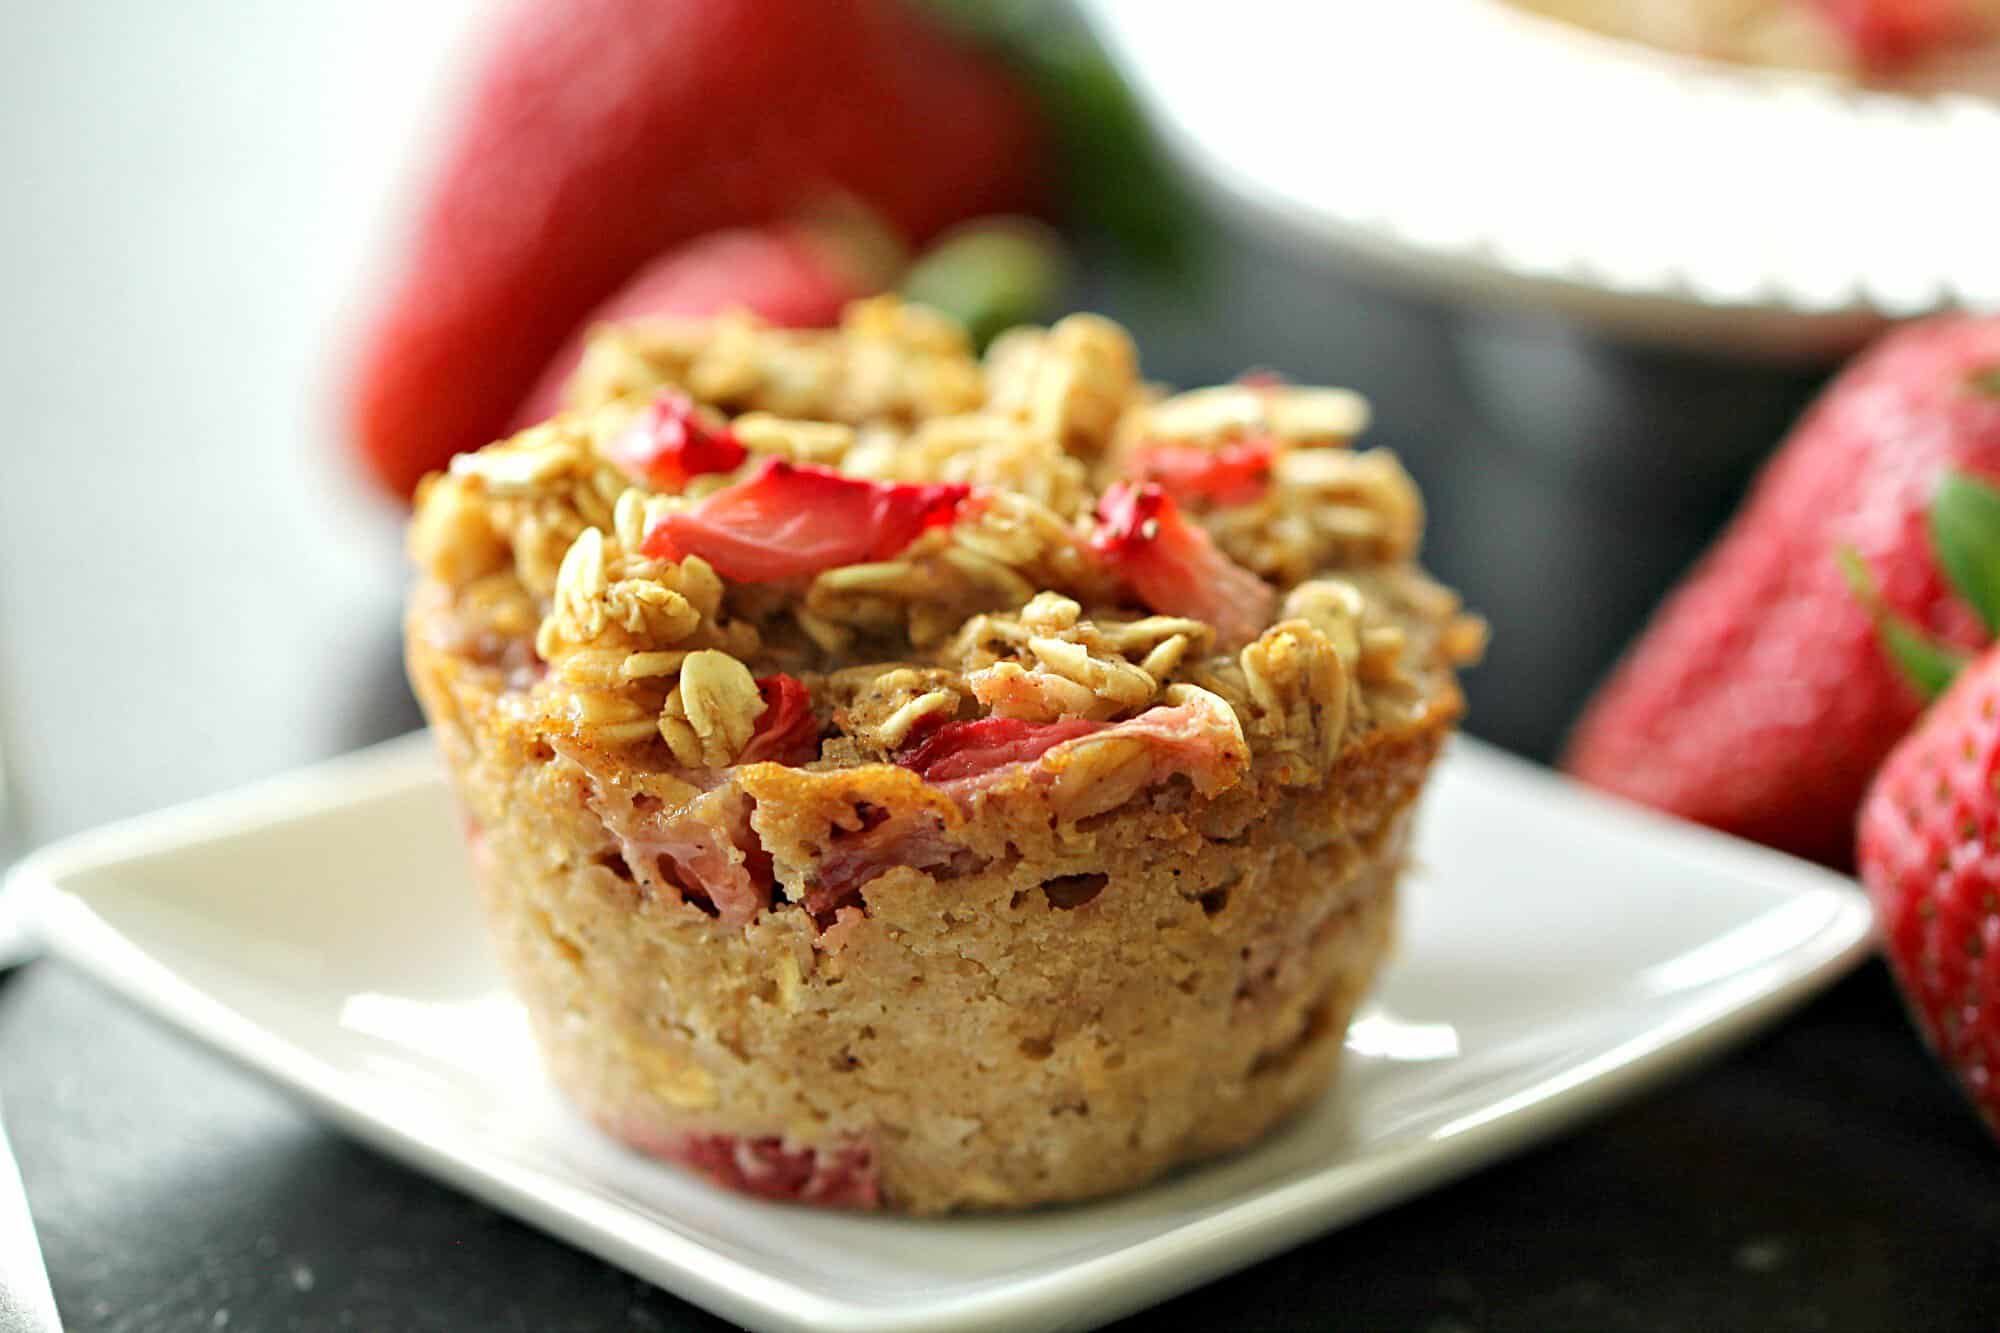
{"x": 1507, "y": 159}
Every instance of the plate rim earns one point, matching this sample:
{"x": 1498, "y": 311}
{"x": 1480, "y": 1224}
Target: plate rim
{"x": 1677, "y": 303}
{"x": 1093, "y": 1290}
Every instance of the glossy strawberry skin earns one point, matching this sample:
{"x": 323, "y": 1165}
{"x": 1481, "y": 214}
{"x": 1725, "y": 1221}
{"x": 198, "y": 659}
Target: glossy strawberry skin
{"x": 788, "y": 520}
{"x": 1174, "y": 566}
{"x": 669, "y": 445}
{"x": 1929, "y": 851}
{"x": 599, "y": 133}
{"x": 788, "y": 274}
{"x": 1759, "y": 700}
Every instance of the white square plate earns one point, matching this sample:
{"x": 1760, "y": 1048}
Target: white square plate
{"x": 1558, "y": 951}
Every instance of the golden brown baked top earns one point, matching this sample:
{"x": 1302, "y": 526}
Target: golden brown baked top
{"x": 831, "y": 548}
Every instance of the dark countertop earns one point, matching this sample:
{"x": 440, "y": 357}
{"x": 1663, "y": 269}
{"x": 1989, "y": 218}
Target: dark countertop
{"x": 1825, "y": 1178}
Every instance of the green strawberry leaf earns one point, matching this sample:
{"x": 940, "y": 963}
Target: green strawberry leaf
{"x": 1923, "y": 661}
{"x": 1928, "y": 665}
{"x": 1117, "y": 178}
{"x": 1965, "y": 529}
{"x": 991, "y": 275}
{"x": 1985, "y": 381}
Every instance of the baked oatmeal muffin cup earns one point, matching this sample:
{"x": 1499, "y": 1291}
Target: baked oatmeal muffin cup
{"x": 898, "y": 779}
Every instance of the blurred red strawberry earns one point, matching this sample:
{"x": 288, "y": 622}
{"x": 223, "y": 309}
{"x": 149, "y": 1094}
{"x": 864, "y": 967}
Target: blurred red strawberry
{"x": 599, "y": 134}
{"x": 1235, "y": 473}
{"x": 1886, "y": 33}
{"x": 1758, "y": 700}
{"x": 1929, "y": 850}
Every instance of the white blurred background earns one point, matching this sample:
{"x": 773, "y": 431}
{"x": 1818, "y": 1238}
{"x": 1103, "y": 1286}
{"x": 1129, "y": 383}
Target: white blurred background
{"x": 192, "y": 585}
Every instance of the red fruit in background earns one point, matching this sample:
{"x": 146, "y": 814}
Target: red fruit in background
{"x": 1174, "y": 566}
{"x": 790, "y": 519}
{"x": 1758, "y": 700}
{"x": 795, "y": 275}
{"x": 668, "y": 445}
{"x": 1929, "y": 851}
{"x": 597, "y": 134}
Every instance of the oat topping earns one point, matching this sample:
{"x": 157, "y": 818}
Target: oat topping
{"x": 1071, "y": 384}
{"x": 1038, "y": 538}
{"x": 711, "y": 711}
{"x": 888, "y": 362}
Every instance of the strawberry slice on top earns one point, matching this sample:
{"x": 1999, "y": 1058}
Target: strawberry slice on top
{"x": 668, "y": 445}
{"x": 1174, "y": 566}
{"x": 790, "y": 519}
{"x": 1236, "y": 473}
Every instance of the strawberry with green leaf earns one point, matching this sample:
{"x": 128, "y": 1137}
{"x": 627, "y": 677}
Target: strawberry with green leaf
{"x": 1761, "y": 700}
{"x": 1928, "y": 847}
{"x": 1965, "y": 536}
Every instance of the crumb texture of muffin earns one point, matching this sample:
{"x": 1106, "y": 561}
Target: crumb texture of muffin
{"x": 904, "y": 779}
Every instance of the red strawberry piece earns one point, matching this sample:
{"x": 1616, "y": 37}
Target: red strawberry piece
{"x": 1235, "y": 473}
{"x": 1758, "y": 700}
{"x": 794, "y": 275}
{"x": 599, "y": 134}
{"x": 669, "y": 445}
{"x": 791, "y": 519}
{"x": 1174, "y": 566}
{"x": 841, "y": 1175}
{"x": 1197, "y": 740}
{"x": 786, "y": 732}
{"x": 1929, "y": 851}
{"x": 1884, "y": 34}
{"x": 913, "y": 838}
{"x": 971, "y": 749}
{"x": 704, "y": 853}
